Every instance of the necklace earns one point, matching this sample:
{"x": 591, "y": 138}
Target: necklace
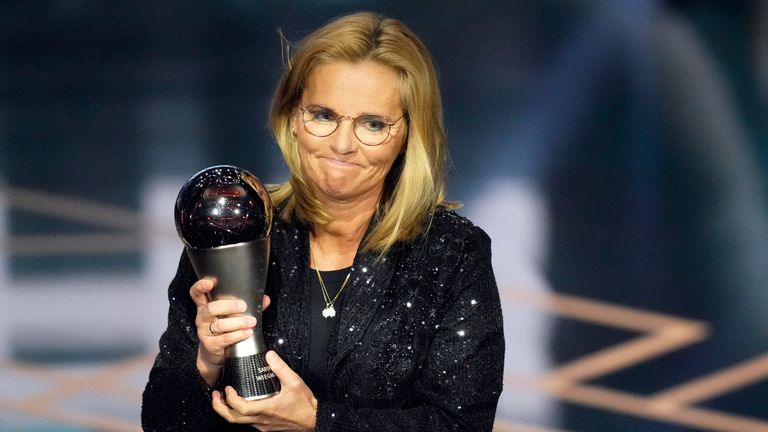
{"x": 329, "y": 311}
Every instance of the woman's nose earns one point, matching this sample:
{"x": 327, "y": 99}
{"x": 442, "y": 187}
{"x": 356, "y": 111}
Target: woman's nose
{"x": 344, "y": 140}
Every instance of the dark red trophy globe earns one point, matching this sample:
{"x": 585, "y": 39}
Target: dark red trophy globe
{"x": 224, "y": 217}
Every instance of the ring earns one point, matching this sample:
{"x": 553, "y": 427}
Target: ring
{"x": 210, "y": 327}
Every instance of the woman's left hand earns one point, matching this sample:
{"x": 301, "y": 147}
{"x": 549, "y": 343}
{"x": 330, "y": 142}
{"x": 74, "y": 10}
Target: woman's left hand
{"x": 293, "y": 409}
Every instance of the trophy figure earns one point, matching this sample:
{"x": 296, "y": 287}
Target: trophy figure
{"x": 223, "y": 215}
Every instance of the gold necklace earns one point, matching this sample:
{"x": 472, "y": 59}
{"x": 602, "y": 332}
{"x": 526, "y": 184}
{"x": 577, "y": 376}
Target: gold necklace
{"x": 329, "y": 311}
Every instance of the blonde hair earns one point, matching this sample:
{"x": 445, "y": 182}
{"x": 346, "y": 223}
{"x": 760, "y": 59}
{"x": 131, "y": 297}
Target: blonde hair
{"x": 415, "y": 185}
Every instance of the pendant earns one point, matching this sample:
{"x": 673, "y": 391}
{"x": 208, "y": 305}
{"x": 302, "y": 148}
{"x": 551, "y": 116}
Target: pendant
{"x": 329, "y": 312}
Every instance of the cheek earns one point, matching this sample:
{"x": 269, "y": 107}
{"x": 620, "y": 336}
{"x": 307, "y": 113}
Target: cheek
{"x": 303, "y": 152}
{"x": 383, "y": 161}
{"x": 398, "y": 149}
{"x": 307, "y": 149}
{"x": 395, "y": 151}
{"x": 305, "y": 146}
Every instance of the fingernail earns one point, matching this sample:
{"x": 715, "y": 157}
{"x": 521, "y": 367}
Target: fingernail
{"x": 249, "y": 332}
{"x": 251, "y": 321}
{"x": 242, "y": 306}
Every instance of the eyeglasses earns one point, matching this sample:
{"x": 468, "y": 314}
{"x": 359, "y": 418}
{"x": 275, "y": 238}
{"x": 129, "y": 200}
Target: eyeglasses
{"x": 370, "y": 130}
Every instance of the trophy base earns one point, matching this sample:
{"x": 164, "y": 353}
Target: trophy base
{"x": 251, "y": 377}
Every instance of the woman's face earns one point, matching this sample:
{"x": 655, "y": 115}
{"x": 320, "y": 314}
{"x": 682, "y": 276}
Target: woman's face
{"x": 339, "y": 167}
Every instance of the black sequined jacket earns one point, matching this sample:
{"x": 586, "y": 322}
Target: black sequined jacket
{"x": 419, "y": 343}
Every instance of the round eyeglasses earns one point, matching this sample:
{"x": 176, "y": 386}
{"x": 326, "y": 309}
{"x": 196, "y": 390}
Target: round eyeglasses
{"x": 370, "y": 130}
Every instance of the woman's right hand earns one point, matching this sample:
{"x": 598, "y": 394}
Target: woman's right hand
{"x": 216, "y": 334}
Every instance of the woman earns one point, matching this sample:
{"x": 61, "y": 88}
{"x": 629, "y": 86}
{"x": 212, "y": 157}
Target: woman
{"x": 384, "y": 311}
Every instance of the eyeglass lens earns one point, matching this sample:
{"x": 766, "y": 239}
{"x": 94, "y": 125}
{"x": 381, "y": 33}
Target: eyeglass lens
{"x": 321, "y": 121}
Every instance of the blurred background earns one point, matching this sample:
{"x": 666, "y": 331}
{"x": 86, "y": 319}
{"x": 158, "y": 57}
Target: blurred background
{"x": 615, "y": 151}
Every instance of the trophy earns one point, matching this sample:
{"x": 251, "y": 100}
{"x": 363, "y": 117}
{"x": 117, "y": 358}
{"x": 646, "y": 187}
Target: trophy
{"x": 223, "y": 215}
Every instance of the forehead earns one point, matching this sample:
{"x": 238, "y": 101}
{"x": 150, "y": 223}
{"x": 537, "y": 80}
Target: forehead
{"x": 354, "y": 88}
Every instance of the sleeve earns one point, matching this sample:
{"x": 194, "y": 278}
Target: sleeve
{"x": 460, "y": 384}
{"x": 176, "y": 397}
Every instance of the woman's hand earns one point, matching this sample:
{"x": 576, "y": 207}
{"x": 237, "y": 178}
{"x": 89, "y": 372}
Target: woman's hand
{"x": 293, "y": 409}
{"x": 216, "y": 334}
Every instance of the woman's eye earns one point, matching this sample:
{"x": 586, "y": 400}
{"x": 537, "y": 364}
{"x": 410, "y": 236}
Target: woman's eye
{"x": 323, "y": 115}
{"x": 373, "y": 124}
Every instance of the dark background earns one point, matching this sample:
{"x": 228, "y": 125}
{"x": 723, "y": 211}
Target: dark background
{"x": 636, "y": 130}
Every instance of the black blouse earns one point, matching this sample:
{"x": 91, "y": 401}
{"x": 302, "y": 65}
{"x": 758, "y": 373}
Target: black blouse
{"x": 322, "y": 327}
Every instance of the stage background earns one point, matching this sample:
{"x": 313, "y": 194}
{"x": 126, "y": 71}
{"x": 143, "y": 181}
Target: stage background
{"x": 614, "y": 150}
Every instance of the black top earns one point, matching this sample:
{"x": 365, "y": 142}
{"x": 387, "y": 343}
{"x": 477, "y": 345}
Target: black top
{"x": 321, "y": 326}
{"x": 419, "y": 344}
